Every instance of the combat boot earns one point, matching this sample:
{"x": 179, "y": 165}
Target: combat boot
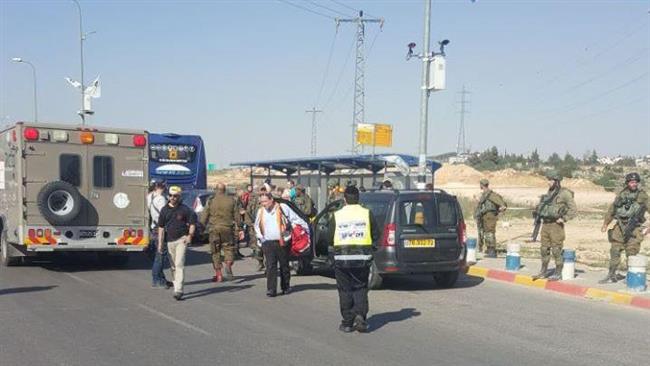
{"x": 227, "y": 272}
{"x": 218, "y": 277}
{"x": 611, "y": 277}
{"x": 491, "y": 253}
{"x": 542, "y": 272}
{"x": 557, "y": 274}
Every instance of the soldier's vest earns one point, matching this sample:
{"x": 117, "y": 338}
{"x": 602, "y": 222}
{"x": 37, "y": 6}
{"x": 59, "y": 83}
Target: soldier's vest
{"x": 221, "y": 212}
{"x": 352, "y": 236}
{"x": 485, "y": 205}
{"x": 626, "y": 205}
{"x": 553, "y": 210}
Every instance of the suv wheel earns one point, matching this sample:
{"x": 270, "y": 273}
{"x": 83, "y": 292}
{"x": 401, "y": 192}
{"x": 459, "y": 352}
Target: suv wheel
{"x": 446, "y": 279}
{"x": 5, "y": 252}
{"x": 374, "y": 278}
{"x": 59, "y": 202}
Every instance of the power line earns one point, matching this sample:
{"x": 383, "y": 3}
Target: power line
{"x": 338, "y": 80}
{"x": 306, "y": 9}
{"x": 327, "y": 68}
{"x": 355, "y": 10}
{"x": 327, "y": 8}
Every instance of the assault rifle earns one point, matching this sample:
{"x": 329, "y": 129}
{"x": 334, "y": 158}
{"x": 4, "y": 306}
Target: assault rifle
{"x": 633, "y": 223}
{"x": 538, "y": 217}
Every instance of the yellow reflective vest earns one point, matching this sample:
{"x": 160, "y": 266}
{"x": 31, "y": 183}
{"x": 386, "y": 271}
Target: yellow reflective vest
{"x": 352, "y": 235}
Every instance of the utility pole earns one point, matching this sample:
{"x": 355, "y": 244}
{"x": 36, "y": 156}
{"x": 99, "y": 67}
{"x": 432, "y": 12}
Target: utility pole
{"x": 21, "y": 60}
{"x": 82, "y": 37}
{"x": 424, "y": 95}
{"x": 358, "y": 112}
{"x": 314, "y": 136}
{"x": 461, "y": 147}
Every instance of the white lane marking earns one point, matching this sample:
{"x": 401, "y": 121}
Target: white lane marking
{"x": 80, "y": 279}
{"x": 177, "y": 321}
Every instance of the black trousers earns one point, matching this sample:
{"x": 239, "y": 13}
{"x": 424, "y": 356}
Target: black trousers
{"x": 352, "y": 284}
{"x": 274, "y": 254}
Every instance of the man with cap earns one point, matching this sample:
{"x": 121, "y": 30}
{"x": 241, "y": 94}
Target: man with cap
{"x": 303, "y": 201}
{"x": 353, "y": 232}
{"x": 176, "y": 226}
{"x": 486, "y": 215}
{"x": 221, "y": 219}
{"x": 555, "y": 208}
{"x": 628, "y": 208}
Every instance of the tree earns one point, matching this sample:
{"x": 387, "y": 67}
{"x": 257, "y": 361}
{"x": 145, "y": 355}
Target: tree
{"x": 534, "y": 159}
{"x": 593, "y": 159}
{"x": 554, "y": 160}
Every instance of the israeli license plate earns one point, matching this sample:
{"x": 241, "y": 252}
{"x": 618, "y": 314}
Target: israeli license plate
{"x": 419, "y": 243}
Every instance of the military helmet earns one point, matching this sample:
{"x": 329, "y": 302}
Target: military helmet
{"x": 484, "y": 182}
{"x": 632, "y": 176}
{"x": 553, "y": 175}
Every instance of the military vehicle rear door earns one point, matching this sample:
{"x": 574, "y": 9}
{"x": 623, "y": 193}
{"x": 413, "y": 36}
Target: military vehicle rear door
{"x": 117, "y": 184}
{"x": 46, "y": 162}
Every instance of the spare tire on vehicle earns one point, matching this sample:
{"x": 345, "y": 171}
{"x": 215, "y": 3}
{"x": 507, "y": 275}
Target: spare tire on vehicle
{"x": 59, "y": 202}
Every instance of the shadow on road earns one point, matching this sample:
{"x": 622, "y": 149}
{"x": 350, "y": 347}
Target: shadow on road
{"x": 427, "y": 283}
{"x": 20, "y": 290}
{"x": 377, "y": 321}
{"x": 313, "y": 286}
{"x": 214, "y": 290}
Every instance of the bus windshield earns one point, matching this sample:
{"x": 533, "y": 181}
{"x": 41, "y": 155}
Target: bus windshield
{"x": 178, "y": 160}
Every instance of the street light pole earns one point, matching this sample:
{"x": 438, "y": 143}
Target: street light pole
{"x": 424, "y": 98}
{"x": 81, "y": 56}
{"x": 20, "y": 60}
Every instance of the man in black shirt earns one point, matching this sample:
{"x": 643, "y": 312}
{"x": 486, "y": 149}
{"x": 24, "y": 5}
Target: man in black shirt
{"x": 176, "y": 225}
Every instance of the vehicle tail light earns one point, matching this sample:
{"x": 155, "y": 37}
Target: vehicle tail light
{"x": 389, "y": 235}
{"x": 132, "y": 233}
{"x": 139, "y": 140}
{"x": 39, "y": 233}
{"x": 140, "y": 233}
{"x": 31, "y": 134}
{"x": 462, "y": 230}
{"x": 111, "y": 139}
{"x": 60, "y": 136}
{"x": 125, "y": 234}
{"x": 87, "y": 137}
{"x": 48, "y": 233}
{"x": 31, "y": 233}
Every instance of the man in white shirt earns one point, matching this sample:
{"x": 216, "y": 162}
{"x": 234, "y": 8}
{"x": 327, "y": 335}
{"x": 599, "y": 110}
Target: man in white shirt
{"x": 155, "y": 202}
{"x": 273, "y": 229}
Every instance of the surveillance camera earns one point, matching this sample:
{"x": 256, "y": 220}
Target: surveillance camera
{"x": 411, "y": 45}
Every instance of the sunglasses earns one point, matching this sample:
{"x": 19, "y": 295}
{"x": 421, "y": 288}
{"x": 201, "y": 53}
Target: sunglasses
{"x": 174, "y": 195}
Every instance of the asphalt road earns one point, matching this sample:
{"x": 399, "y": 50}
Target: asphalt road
{"x": 63, "y": 313}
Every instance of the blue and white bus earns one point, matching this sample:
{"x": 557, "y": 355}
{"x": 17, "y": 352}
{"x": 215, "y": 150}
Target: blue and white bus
{"x": 178, "y": 160}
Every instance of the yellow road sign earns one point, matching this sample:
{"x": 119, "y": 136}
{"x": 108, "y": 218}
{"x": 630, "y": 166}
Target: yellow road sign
{"x": 383, "y": 135}
{"x": 365, "y": 133}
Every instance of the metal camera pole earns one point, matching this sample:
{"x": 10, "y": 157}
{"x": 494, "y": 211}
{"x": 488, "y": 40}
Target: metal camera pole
{"x": 424, "y": 98}
{"x": 81, "y": 56}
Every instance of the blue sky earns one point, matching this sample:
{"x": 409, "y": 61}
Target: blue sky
{"x": 553, "y": 75}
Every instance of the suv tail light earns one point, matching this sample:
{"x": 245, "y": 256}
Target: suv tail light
{"x": 462, "y": 230}
{"x": 30, "y": 134}
{"x": 389, "y": 235}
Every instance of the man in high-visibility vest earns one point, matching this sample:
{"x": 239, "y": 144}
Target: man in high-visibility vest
{"x": 353, "y": 231}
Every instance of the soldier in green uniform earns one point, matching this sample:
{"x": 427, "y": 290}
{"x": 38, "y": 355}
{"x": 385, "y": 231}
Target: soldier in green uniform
{"x": 249, "y": 218}
{"x": 303, "y": 201}
{"x": 486, "y": 215}
{"x": 221, "y": 219}
{"x": 631, "y": 203}
{"x": 555, "y": 208}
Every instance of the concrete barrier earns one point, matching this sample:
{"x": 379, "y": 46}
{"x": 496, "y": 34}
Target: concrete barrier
{"x": 569, "y": 269}
{"x": 471, "y": 250}
{"x": 513, "y": 259}
{"x": 636, "y": 277}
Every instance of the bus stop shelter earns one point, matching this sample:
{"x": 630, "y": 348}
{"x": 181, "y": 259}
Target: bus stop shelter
{"x": 364, "y": 170}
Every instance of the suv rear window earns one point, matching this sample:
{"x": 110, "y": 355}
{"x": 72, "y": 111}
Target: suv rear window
{"x": 447, "y": 213}
{"x": 103, "y": 171}
{"x": 418, "y": 214}
{"x": 70, "y": 169}
{"x": 378, "y": 208}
